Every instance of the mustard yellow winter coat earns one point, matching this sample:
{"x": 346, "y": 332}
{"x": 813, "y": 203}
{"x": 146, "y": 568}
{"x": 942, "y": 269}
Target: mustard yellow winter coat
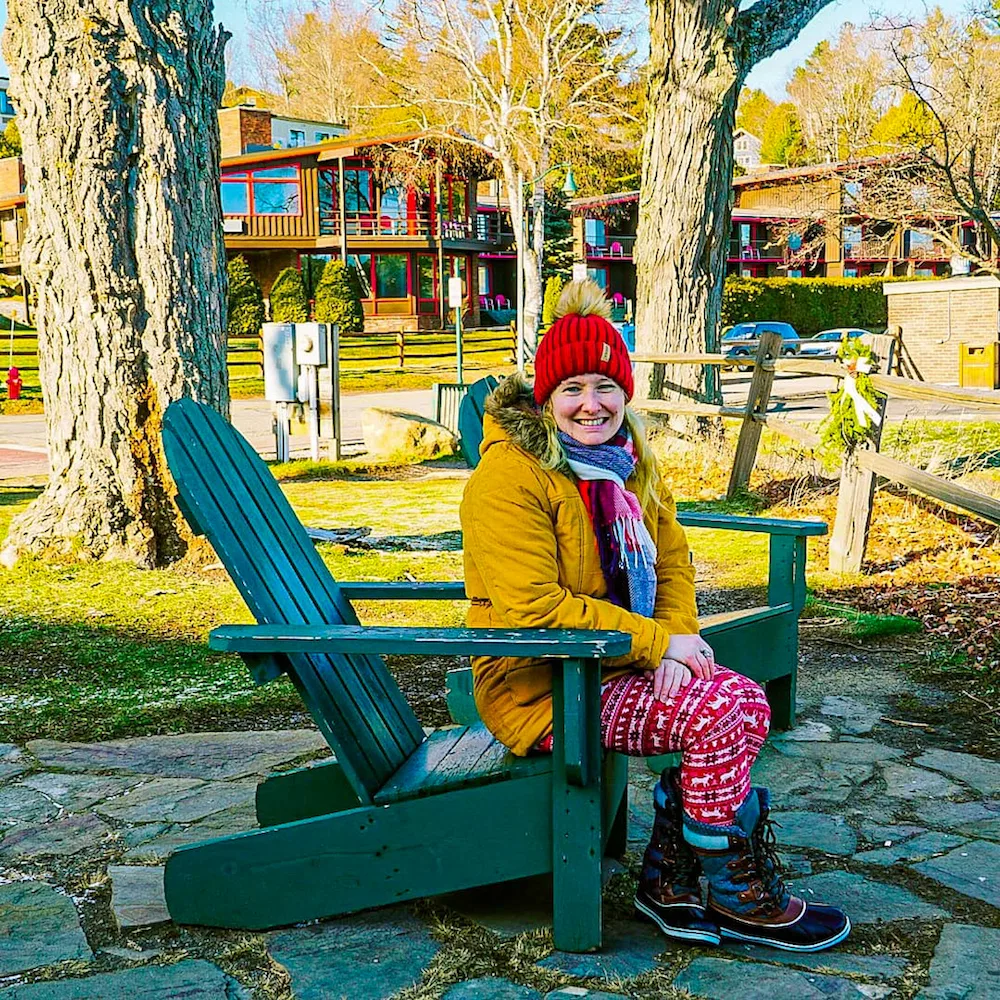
{"x": 531, "y": 561}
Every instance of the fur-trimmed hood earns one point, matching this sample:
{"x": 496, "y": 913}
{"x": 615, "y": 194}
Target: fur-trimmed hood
{"x": 512, "y": 414}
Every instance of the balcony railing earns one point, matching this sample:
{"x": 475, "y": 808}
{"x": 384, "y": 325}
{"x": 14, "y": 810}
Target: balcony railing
{"x": 490, "y": 228}
{"x": 10, "y": 254}
{"x": 612, "y": 247}
{"x": 867, "y": 250}
{"x": 759, "y": 249}
{"x": 925, "y": 251}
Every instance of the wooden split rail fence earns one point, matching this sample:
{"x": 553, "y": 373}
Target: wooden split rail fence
{"x": 405, "y": 350}
{"x": 862, "y": 466}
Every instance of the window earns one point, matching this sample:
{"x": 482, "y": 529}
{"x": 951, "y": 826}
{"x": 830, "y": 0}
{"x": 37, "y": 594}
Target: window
{"x": 321, "y": 136}
{"x": 390, "y": 276}
{"x": 296, "y": 137}
{"x": 358, "y": 189}
{"x": 235, "y": 191}
{"x": 362, "y": 264}
{"x": 276, "y": 191}
{"x": 850, "y": 272}
{"x": 484, "y": 279}
{"x": 6, "y": 108}
{"x": 919, "y": 243}
{"x": 600, "y": 275}
{"x": 593, "y": 232}
{"x": 851, "y": 238}
{"x": 794, "y": 273}
{"x": 426, "y": 277}
{"x": 393, "y": 210}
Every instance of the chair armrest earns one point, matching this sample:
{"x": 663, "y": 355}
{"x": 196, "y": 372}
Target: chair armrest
{"x": 553, "y": 643}
{"x": 451, "y": 590}
{"x": 766, "y": 525}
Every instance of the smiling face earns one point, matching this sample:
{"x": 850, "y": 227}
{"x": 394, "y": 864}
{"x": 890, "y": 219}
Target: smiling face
{"x": 589, "y": 408}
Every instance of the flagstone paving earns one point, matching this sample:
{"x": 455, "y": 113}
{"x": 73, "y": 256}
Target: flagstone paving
{"x": 902, "y": 832}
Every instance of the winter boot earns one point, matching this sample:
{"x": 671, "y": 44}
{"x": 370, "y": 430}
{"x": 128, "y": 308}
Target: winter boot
{"x": 668, "y": 892}
{"x": 746, "y": 896}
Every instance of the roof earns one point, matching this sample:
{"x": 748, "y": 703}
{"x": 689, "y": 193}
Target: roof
{"x": 13, "y": 201}
{"x": 615, "y": 198}
{"x": 344, "y": 145}
{"x": 816, "y": 170}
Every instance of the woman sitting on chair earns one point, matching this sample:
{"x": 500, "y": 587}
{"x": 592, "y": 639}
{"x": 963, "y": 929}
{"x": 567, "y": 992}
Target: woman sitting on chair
{"x": 567, "y": 524}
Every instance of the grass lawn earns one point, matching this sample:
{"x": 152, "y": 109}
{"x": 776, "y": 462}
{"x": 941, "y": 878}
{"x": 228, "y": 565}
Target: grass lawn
{"x": 102, "y": 650}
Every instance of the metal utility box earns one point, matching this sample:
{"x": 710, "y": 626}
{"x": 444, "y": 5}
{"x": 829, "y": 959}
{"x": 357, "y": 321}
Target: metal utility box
{"x": 979, "y": 367}
{"x": 310, "y": 344}
{"x": 280, "y": 369}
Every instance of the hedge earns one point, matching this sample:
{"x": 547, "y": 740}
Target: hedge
{"x": 809, "y": 304}
{"x": 246, "y": 304}
{"x": 288, "y": 298}
{"x": 338, "y": 298}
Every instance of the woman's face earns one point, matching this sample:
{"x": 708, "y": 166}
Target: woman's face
{"x": 589, "y": 408}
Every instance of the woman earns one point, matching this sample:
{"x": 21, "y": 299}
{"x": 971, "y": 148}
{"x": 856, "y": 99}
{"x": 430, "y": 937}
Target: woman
{"x": 567, "y": 525}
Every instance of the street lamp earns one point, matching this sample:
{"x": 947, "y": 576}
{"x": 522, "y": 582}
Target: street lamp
{"x": 569, "y": 189}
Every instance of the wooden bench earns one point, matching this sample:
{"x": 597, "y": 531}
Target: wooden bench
{"x": 397, "y": 815}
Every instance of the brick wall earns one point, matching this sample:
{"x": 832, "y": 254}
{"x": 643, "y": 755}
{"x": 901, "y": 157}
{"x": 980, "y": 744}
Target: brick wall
{"x": 936, "y": 320}
{"x": 241, "y": 127}
{"x": 11, "y": 176}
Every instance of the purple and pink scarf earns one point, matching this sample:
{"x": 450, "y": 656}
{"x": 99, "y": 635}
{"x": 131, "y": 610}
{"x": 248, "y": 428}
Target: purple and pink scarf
{"x": 627, "y": 551}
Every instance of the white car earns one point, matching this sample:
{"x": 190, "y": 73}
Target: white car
{"x": 827, "y": 343}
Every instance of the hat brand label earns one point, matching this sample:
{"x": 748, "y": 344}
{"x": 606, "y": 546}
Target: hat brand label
{"x": 605, "y": 352}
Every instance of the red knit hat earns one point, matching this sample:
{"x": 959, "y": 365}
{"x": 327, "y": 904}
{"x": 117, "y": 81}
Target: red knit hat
{"x": 581, "y": 341}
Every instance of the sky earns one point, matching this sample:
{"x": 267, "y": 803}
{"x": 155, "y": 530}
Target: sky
{"x": 770, "y": 75}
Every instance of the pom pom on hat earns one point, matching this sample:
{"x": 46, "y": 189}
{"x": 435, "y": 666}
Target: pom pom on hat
{"x": 581, "y": 341}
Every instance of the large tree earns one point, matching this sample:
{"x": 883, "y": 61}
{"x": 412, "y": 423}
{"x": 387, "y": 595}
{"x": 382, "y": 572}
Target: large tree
{"x": 117, "y": 105}
{"x": 700, "y": 56}
{"x": 528, "y": 74}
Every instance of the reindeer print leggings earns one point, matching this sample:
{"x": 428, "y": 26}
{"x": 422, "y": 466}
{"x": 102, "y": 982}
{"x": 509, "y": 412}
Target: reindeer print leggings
{"x": 718, "y": 726}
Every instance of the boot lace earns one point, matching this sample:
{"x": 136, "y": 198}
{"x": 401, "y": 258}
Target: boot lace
{"x": 766, "y": 863}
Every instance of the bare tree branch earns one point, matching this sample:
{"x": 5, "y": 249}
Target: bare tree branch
{"x": 769, "y": 25}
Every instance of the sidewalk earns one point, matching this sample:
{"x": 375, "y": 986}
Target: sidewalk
{"x": 881, "y": 817}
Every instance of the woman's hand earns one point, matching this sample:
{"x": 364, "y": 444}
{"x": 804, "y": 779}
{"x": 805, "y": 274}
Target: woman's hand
{"x": 669, "y": 679}
{"x": 693, "y": 651}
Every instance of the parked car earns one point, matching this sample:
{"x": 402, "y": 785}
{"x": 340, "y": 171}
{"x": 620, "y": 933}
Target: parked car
{"x": 740, "y": 341}
{"x": 827, "y": 343}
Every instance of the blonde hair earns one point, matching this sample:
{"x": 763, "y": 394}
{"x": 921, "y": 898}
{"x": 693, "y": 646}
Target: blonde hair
{"x": 646, "y": 475}
{"x": 583, "y": 298}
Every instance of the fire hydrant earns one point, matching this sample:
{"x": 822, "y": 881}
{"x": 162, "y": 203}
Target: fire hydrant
{"x": 13, "y": 384}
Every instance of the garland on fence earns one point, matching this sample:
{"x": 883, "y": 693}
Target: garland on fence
{"x": 854, "y": 416}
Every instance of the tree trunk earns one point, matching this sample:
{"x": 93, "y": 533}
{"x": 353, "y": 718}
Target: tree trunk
{"x": 684, "y": 203}
{"x": 117, "y": 105}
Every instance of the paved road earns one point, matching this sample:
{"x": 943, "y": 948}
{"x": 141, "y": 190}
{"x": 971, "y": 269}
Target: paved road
{"x": 799, "y": 398}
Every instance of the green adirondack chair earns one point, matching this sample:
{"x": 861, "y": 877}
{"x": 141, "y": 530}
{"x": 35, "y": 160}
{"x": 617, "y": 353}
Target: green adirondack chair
{"x": 470, "y": 418}
{"x": 398, "y": 815}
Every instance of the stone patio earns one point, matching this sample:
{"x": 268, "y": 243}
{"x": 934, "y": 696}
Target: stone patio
{"x": 902, "y": 832}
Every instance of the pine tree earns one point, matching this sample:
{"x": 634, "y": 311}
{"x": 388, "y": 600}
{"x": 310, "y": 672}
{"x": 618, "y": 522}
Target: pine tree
{"x": 553, "y": 289}
{"x": 246, "y": 303}
{"x": 338, "y": 298}
{"x": 557, "y": 254}
{"x": 288, "y": 298}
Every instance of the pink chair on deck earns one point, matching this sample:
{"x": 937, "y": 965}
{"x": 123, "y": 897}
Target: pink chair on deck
{"x": 618, "y": 300}
{"x": 501, "y": 302}
{"x": 485, "y": 302}
{"x": 616, "y": 250}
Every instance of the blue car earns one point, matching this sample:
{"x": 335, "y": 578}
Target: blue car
{"x": 740, "y": 341}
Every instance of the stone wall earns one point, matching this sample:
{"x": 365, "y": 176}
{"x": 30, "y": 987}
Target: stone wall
{"x": 934, "y": 317}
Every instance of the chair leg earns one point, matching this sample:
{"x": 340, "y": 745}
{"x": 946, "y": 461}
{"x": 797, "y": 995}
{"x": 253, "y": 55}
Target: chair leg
{"x": 365, "y": 857}
{"x": 303, "y": 793}
{"x": 781, "y": 698}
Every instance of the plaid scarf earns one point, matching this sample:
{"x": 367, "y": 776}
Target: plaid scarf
{"x": 627, "y": 552}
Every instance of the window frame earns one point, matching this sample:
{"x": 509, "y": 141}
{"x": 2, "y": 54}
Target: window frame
{"x": 249, "y": 179}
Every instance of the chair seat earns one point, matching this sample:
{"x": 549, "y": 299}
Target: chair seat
{"x": 458, "y": 757}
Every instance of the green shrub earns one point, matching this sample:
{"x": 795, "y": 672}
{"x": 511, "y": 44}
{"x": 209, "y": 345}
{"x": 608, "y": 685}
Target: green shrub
{"x": 553, "y": 289}
{"x": 246, "y": 304}
{"x": 288, "y": 298}
{"x": 809, "y": 304}
{"x": 338, "y": 298}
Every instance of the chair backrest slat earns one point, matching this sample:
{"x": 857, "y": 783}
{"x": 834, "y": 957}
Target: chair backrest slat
{"x": 232, "y": 498}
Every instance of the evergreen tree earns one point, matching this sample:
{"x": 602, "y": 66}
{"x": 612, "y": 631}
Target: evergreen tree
{"x": 10, "y": 140}
{"x": 553, "y": 289}
{"x": 288, "y": 298}
{"x": 557, "y": 253}
{"x": 246, "y": 304}
{"x": 338, "y": 298}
